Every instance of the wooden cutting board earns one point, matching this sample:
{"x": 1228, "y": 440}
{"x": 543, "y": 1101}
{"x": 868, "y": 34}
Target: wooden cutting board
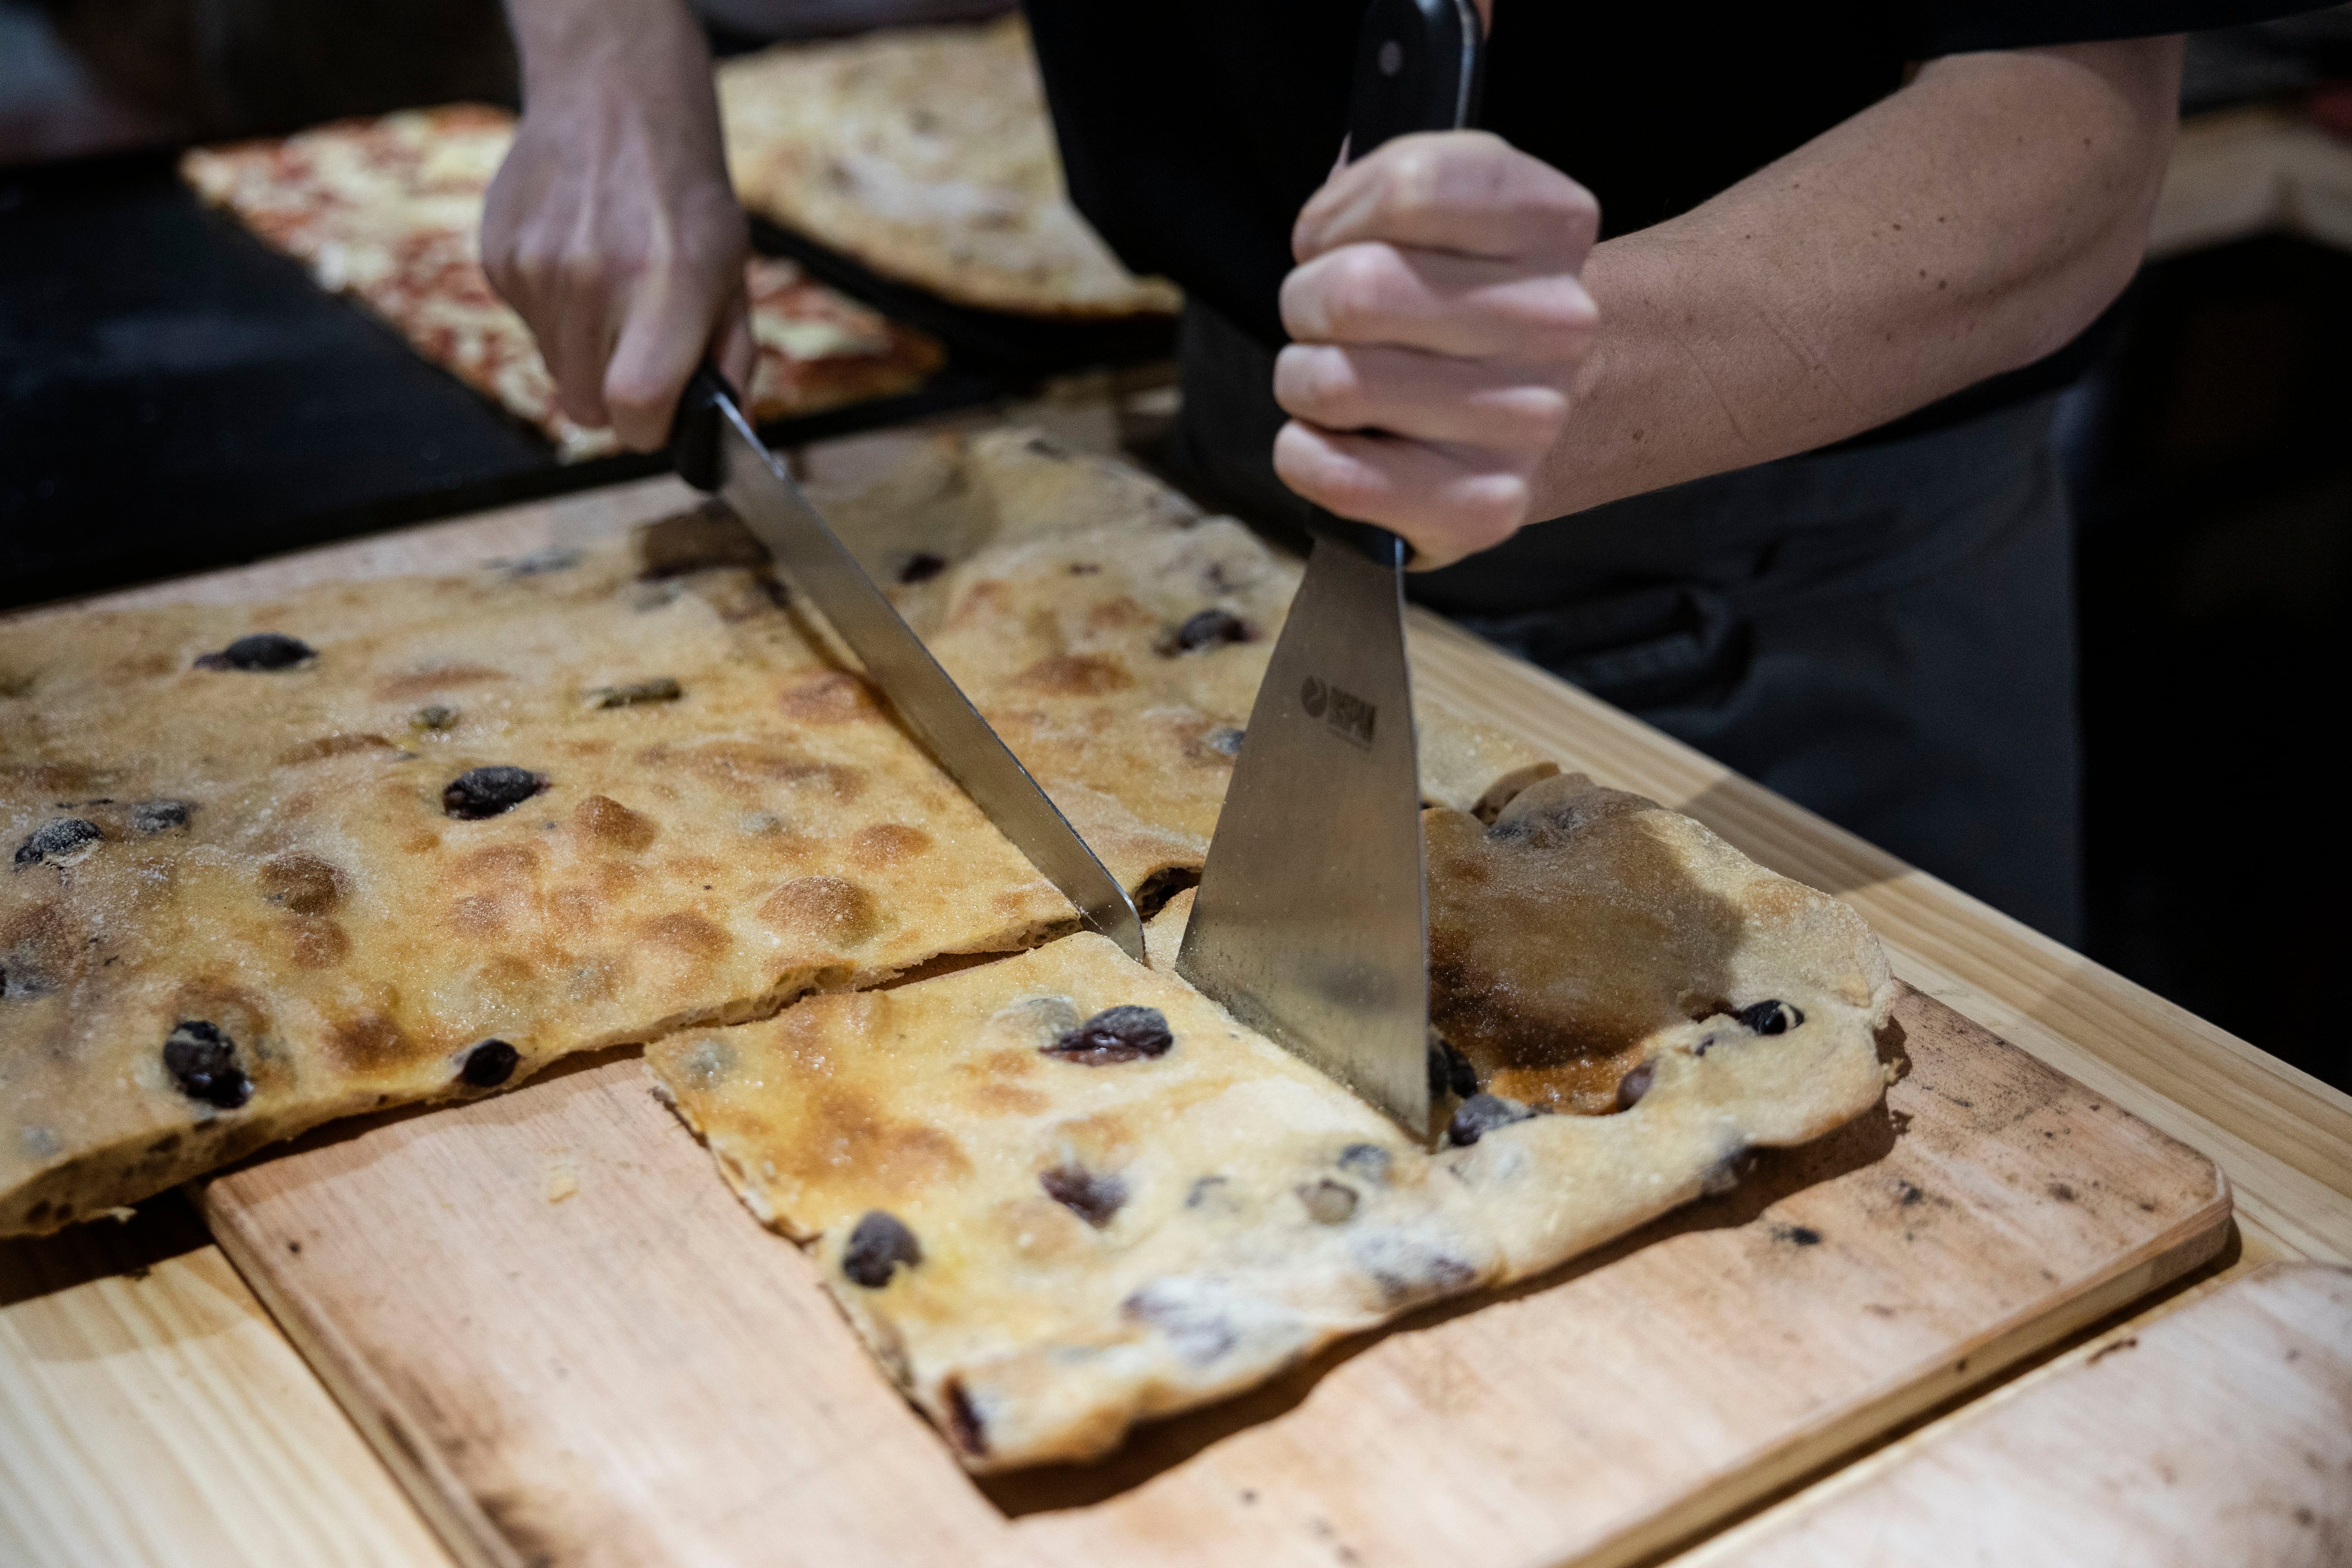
{"x": 575, "y": 1347}
{"x": 2220, "y": 1433}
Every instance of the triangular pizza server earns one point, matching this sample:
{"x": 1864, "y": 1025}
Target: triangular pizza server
{"x": 1311, "y": 923}
{"x": 715, "y": 450}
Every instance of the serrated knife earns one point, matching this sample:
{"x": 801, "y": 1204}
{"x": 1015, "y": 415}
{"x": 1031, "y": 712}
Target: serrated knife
{"x": 1311, "y": 922}
{"x": 715, "y": 450}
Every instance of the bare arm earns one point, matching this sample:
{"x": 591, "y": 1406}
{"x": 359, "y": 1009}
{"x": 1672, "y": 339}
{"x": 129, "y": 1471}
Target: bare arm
{"x": 611, "y": 227}
{"x": 1967, "y": 224}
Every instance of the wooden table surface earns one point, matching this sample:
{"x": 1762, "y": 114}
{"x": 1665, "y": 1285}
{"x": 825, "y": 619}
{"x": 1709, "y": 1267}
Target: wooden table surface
{"x": 151, "y": 1413}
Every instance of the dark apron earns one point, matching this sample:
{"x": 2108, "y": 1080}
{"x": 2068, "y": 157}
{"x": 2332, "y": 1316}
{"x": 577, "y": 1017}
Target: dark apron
{"x": 1883, "y": 632}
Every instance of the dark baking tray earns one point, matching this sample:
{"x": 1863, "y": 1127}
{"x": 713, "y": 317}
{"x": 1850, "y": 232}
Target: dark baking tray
{"x": 1017, "y": 346}
{"x": 176, "y": 396}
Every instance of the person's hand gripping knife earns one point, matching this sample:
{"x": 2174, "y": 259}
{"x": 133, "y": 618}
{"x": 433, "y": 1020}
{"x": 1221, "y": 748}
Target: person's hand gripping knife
{"x": 612, "y": 227}
{"x": 1437, "y": 323}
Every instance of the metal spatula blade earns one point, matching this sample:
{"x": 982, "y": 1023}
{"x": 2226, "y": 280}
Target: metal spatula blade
{"x": 715, "y": 448}
{"x": 1311, "y": 922}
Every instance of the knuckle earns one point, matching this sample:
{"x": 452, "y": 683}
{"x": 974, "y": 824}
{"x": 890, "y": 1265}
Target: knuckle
{"x": 1582, "y": 209}
{"x": 1359, "y": 281}
{"x": 580, "y": 270}
{"x": 1531, "y": 418}
{"x": 535, "y": 264}
{"x": 1413, "y": 176}
{"x": 1558, "y": 313}
{"x": 1547, "y": 416}
{"x": 1313, "y": 471}
{"x": 1498, "y": 505}
{"x": 632, "y": 395}
{"x": 1300, "y": 302}
{"x": 1328, "y": 387}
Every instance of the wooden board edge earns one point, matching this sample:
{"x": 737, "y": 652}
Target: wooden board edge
{"x": 2188, "y": 1245}
{"x": 431, "y": 1486}
{"x": 1955, "y": 1425}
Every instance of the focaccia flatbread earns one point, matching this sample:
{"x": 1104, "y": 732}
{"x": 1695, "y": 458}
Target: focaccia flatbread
{"x": 925, "y": 153}
{"x": 235, "y": 818}
{"x": 1061, "y": 1193}
{"x": 275, "y": 864}
{"x": 1116, "y": 638}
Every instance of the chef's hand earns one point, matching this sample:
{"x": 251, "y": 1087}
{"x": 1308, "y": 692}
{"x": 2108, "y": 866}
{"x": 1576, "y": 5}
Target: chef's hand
{"x": 611, "y": 227}
{"x": 1437, "y": 323}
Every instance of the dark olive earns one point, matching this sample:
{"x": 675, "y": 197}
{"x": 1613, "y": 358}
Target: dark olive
{"x": 259, "y": 650}
{"x": 160, "y": 816}
{"x": 202, "y": 1061}
{"x": 1771, "y": 1017}
{"x": 479, "y": 792}
{"x": 489, "y": 1064}
{"x": 1093, "y": 1197}
{"x": 1450, "y": 1071}
{"x": 1123, "y": 1034}
{"x": 56, "y": 840}
{"x": 1206, "y": 629}
{"x": 876, "y": 1247}
{"x": 1481, "y": 1114}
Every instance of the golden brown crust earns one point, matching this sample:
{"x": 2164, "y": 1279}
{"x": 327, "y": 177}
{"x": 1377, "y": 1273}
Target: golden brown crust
{"x": 1117, "y": 640}
{"x": 721, "y": 822}
{"x": 727, "y": 821}
{"x": 926, "y": 155}
{"x": 1045, "y": 1243}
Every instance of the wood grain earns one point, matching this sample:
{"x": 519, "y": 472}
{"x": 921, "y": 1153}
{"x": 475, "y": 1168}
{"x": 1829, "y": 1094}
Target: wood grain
{"x": 151, "y": 1413}
{"x": 637, "y": 1371}
{"x": 2221, "y": 1433}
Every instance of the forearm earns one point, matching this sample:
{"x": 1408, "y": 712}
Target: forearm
{"x": 1967, "y": 225}
{"x": 611, "y": 227}
{"x": 566, "y": 45}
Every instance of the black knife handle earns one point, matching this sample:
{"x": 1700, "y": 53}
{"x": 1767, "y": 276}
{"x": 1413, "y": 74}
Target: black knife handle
{"x": 1419, "y": 67}
{"x": 694, "y": 429}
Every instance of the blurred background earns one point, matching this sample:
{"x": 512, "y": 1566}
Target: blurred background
{"x": 2210, "y": 446}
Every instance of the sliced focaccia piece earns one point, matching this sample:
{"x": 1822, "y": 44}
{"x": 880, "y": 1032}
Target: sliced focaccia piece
{"x": 926, "y": 153}
{"x": 1061, "y": 1193}
{"x": 426, "y": 854}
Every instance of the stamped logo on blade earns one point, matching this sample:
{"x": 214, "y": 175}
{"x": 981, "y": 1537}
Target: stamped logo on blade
{"x": 1344, "y": 713}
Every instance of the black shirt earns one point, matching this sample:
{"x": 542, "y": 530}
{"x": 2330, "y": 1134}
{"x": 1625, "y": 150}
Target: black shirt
{"x": 1193, "y": 132}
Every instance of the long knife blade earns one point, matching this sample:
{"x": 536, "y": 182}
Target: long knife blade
{"x": 1311, "y": 921}
{"x": 718, "y": 450}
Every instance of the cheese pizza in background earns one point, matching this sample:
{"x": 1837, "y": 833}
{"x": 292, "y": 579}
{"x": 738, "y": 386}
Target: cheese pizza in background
{"x": 926, "y": 155}
{"x": 389, "y": 210}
